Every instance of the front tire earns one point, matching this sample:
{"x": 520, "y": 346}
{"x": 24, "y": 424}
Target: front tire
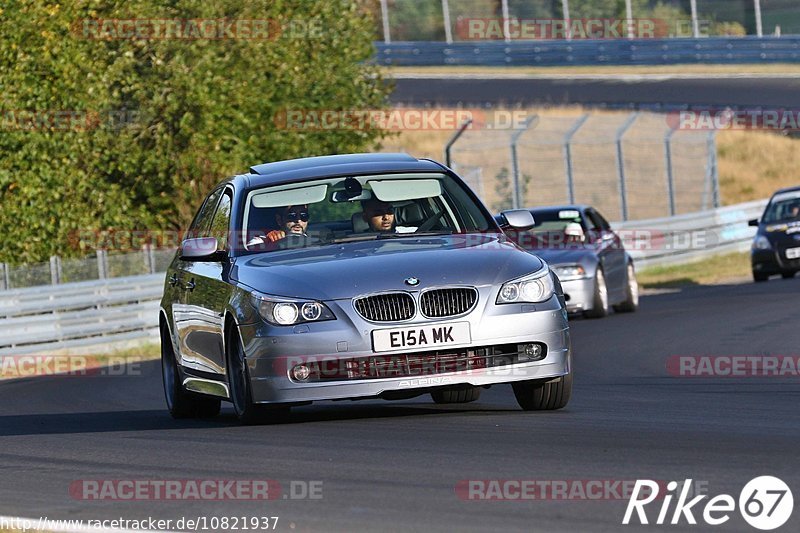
{"x": 466, "y": 395}
{"x": 181, "y": 403}
{"x": 758, "y": 277}
{"x": 787, "y": 275}
{"x": 241, "y": 390}
{"x": 547, "y": 395}
{"x": 600, "y": 301}
{"x": 631, "y": 303}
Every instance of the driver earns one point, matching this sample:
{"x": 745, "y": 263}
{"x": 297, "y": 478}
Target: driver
{"x": 292, "y": 220}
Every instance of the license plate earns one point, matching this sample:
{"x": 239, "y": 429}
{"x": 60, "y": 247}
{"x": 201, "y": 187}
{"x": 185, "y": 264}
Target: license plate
{"x": 793, "y": 253}
{"x": 384, "y": 340}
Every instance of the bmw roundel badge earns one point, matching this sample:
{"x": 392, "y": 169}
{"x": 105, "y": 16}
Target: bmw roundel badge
{"x": 412, "y": 281}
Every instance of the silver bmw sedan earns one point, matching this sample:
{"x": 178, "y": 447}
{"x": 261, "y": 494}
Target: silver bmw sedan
{"x": 356, "y": 276}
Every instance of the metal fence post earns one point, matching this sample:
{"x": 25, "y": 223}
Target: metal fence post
{"x": 568, "y": 155}
{"x": 6, "y": 277}
{"x": 55, "y": 269}
{"x": 668, "y": 166}
{"x": 452, "y": 141}
{"x": 623, "y": 195}
{"x": 515, "y": 160}
{"x": 387, "y": 37}
{"x": 712, "y": 172}
{"x": 448, "y": 30}
{"x": 102, "y": 265}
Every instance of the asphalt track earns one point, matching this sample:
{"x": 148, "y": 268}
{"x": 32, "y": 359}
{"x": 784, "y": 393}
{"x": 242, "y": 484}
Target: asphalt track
{"x": 394, "y": 466}
{"x": 650, "y": 92}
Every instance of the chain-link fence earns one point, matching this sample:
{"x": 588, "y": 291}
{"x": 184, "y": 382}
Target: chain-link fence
{"x": 630, "y": 166}
{"x": 465, "y": 20}
{"x": 102, "y": 265}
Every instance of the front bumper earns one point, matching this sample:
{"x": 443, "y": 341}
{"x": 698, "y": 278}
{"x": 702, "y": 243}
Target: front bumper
{"x": 773, "y": 262}
{"x": 271, "y": 353}
{"x": 579, "y": 294}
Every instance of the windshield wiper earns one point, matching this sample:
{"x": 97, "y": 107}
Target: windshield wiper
{"x": 413, "y": 234}
{"x": 355, "y": 238}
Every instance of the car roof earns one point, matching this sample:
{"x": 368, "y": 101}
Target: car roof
{"x": 787, "y": 189}
{"x": 334, "y": 165}
{"x": 567, "y": 207}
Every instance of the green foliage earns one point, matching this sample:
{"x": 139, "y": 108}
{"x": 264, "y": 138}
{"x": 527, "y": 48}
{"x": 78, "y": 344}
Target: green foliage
{"x": 185, "y": 112}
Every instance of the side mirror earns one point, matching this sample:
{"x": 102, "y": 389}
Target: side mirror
{"x": 520, "y": 219}
{"x": 202, "y": 249}
{"x": 753, "y": 222}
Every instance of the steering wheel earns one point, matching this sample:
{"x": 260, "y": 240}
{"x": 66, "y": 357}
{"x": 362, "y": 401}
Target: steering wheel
{"x": 293, "y": 240}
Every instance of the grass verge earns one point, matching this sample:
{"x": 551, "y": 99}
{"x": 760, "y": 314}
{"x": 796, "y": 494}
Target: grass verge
{"x": 727, "y": 268}
{"x": 73, "y": 362}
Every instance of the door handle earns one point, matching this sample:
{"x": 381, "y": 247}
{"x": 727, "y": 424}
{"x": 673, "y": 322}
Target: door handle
{"x": 190, "y": 285}
{"x": 173, "y": 279}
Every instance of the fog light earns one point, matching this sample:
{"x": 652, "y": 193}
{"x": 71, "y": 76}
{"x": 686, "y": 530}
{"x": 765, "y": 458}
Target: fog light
{"x": 301, "y": 372}
{"x": 529, "y": 352}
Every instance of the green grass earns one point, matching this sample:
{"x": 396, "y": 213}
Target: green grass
{"x": 720, "y": 269}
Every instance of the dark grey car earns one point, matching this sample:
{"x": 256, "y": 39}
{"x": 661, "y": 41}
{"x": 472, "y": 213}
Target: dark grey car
{"x": 446, "y": 306}
{"x": 588, "y": 257}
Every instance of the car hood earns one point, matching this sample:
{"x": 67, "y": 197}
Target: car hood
{"x": 566, "y": 256}
{"x": 343, "y": 271}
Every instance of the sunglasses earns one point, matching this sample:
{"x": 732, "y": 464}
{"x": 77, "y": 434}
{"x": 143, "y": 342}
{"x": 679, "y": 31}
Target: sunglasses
{"x": 294, "y": 215}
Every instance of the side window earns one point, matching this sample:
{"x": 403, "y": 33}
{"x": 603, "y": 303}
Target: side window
{"x": 594, "y": 224}
{"x": 202, "y": 219}
{"x": 603, "y": 222}
{"x": 220, "y": 224}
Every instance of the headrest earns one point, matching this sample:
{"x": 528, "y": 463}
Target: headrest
{"x": 359, "y": 226}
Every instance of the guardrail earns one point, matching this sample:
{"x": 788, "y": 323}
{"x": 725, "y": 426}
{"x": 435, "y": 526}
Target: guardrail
{"x": 731, "y": 50}
{"x": 102, "y": 311}
{"x": 74, "y": 314}
{"x": 691, "y": 237}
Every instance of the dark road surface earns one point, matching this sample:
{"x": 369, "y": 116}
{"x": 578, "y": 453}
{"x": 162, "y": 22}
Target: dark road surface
{"x": 394, "y": 466}
{"x": 645, "y": 92}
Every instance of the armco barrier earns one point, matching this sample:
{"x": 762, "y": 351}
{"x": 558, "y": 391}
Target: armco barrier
{"x": 97, "y": 312}
{"x": 731, "y": 50}
{"x": 691, "y": 237}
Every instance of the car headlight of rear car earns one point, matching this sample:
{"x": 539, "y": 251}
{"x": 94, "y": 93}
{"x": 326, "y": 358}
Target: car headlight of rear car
{"x": 761, "y": 243}
{"x": 286, "y": 312}
{"x": 568, "y": 272}
{"x": 533, "y": 288}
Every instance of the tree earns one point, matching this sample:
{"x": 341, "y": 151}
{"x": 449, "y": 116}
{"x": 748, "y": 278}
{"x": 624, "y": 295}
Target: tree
{"x": 156, "y": 122}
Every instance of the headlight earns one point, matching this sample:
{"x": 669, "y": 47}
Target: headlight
{"x": 532, "y": 288}
{"x": 761, "y": 243}
{"x": 283, "y": 312}
{"x": 777, "y": 227}
{"x": 568, "y": 272}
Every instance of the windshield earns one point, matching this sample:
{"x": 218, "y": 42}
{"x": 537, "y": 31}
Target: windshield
{"x": 553, "y": 226}
{"x": 783, "y": 207}
{"x": 350, "y": 209}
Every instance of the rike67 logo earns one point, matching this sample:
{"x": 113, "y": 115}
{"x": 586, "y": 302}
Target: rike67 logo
{"x": 765, "y": 503}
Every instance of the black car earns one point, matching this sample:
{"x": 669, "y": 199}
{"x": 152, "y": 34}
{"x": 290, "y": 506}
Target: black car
{"x": 776, "y": 247}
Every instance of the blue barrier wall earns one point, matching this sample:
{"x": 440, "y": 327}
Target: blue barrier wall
{"x": 592, "y": 52}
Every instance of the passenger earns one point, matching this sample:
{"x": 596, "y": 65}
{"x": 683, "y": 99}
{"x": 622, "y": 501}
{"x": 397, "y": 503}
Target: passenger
{"x": 292, "y": 220}
{"x": 379, "y": 216}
